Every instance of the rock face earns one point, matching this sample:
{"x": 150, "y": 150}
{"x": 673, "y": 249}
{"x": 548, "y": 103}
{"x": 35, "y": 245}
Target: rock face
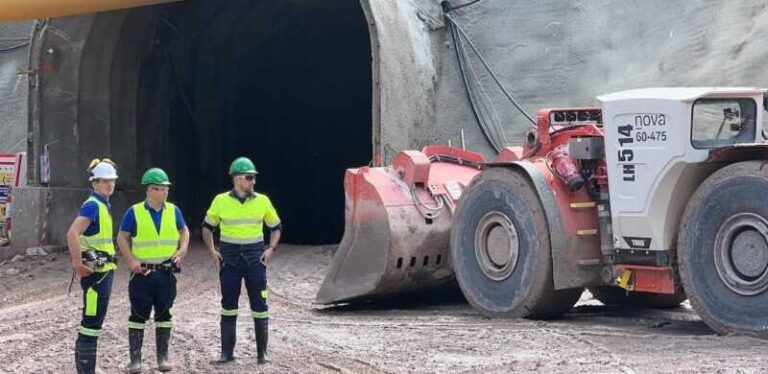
{"x": 14, "y": 60}
{"x": 547, "y": 54}
{"x": 556, "y": 53}
{"x": 552, "y": 54}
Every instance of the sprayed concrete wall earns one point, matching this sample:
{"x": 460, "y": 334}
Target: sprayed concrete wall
{"x": 553, "y": 54}
{"x": 14, "y": 60}
{"x": 547, "y": 53}
{"x": 406, "y": 37}
{"x": 564, "y": 53}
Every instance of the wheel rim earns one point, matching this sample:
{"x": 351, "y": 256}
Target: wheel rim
{"x": 741, "y": 253}
{"x": 496, "y": 246}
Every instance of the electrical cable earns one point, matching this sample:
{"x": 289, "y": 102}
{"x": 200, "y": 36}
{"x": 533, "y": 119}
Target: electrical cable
{"x": 460, "y": 58}
{"x": 433, "y": 212}
{"x": 461, "y": 31}
{"x": 495, "y": 127}
{"x": 448, "y": 8}
{"x": 14, "y": 47}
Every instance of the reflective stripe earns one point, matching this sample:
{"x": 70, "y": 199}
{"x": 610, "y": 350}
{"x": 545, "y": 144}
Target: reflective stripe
{"x": 148, "y": 245}
{"x": 164, "y": 324}
{"x": 102, "y": 240}
{"x": 135, "y": 325}
{"x": 240, "y": 221}
{"x": 264, "y": 294}
{"x": 231, "y": 240}
{"x": 91, "y": 241}
{"x": 227, "y": 312}
{"x": 89, "y": 332}
{"x": 91, "y": 302}
{"x": 155, "y": 260}
{"x": 261, "y": 315}
{"x": 209, "y": 220}
{"x": 97, "y": 243}
{"x": 153, "y": 243}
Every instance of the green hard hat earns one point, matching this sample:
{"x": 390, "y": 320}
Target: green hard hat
{"x": 242, "y": 165}
{"x": 155, "y": 176}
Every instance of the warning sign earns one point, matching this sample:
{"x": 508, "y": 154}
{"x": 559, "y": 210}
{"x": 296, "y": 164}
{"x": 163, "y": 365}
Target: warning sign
{"x": 12, "y": 174}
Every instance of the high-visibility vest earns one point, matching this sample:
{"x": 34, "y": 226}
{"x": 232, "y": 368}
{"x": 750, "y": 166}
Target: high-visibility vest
{"x": 102, "y": 240}
{"x": 148, "y": 245}
{"x": 242, "y": 223}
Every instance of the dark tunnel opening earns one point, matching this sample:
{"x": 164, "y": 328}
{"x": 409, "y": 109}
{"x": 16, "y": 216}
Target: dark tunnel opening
{"x": 286, "y": 83}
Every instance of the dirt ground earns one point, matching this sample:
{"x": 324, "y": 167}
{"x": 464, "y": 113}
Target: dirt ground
{"x": 38, "y": 323}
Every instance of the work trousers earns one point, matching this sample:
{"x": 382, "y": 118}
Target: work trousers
{"x": 241, "y": 263}
{"x": 156, "y": 290}
{"x": 97, "y": 288}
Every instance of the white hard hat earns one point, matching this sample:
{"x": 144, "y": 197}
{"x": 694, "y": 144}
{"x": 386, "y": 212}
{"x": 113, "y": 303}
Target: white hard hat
{"x": 104, "y": 169}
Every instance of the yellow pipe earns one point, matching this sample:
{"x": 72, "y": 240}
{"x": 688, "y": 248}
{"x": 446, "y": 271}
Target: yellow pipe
{"x": 17, "y": 10}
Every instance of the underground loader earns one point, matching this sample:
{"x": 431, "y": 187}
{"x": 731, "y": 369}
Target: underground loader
{"x": 656, "y": 196}
{"x": 397, "y": 225}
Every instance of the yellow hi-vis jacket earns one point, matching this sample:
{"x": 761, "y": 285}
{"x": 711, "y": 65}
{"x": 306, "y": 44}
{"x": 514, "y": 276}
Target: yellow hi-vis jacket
{"x": 241, "y": 223}
{"x": 101, "y": 241}
{"x": 148, "y": 245}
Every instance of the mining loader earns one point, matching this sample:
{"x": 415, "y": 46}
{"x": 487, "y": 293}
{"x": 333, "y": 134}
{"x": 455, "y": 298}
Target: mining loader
{"x": 656, "y": 196}
{"x": 398, "y": 224}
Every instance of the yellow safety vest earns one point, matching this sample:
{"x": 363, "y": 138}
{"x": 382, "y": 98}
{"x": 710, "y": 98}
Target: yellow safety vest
{"x": 148, "y": 245}
{"x": 241, "y": 223}
{"x": 101, "y": 241}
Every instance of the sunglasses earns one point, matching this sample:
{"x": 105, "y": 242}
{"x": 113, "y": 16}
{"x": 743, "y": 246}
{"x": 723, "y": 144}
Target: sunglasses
{"x": 249, "y": 178}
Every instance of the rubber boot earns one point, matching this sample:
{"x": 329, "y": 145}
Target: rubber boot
{"x": 163, "y": 339}
{"x": 85, "y": 354}
{"x": 135, "y": 341}
{"x": 262, "y": 336}
{"x": 228, "y": 338}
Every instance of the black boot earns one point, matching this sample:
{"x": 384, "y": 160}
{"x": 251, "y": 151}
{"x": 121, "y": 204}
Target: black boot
{"x": 228, "y": 338}
{"x": 135, "y": 341}
{"x": 163, "y": 339}
{"x": 262, "y": 336}
{"x": 85, "y": 354}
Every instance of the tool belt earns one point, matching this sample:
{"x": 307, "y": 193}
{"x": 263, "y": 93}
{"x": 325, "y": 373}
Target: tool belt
{"x": 98, "y": 259}
{"x": 167, "y": 266}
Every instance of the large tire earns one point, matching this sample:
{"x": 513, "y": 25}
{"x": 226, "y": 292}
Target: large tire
{"x": 616, "y": 296}
{"x": 723, "y": 250}
{"x": 500, "y": 249}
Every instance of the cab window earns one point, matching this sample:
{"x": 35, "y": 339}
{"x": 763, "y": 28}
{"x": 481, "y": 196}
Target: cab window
{"x": 723, "y": 122}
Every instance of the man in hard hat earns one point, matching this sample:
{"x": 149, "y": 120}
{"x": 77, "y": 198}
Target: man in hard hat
{"x": 153, "y": 239}
{"x": 92, "y": 250}
{"x": 240, "y": 214}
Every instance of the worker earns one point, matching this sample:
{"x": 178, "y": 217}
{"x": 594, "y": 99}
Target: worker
{"x": 92, "y": 250}
{"x": 239, "y": 214}
{"x": 153, "y": 239}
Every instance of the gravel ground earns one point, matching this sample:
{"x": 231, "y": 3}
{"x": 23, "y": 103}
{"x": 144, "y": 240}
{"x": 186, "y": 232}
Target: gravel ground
{"x": 437, "y": 334}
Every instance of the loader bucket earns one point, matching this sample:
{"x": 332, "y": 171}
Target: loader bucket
{"x": 390, "y": 245}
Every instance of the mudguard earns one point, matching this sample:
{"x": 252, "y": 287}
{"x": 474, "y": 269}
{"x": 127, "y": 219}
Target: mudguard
{"x": 573, "y": 227}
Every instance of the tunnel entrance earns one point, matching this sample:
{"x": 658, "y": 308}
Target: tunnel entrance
{"x": 285, "y": 83}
